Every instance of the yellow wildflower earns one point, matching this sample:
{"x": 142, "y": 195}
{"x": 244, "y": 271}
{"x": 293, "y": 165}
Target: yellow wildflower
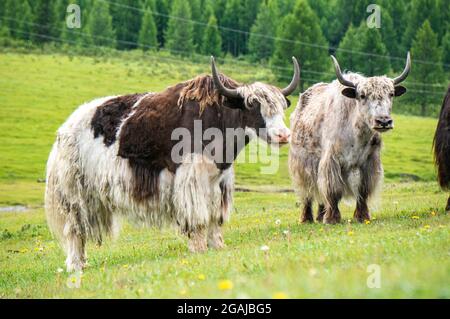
{"x": 279, "y": 295}
{"x": 201, "y": 277}
{"x": 225, "y": 285}
{"x": 415, "y": 217}
{"x": 184, "y": 262}
{"x": 350, "y": 233}
{"x": 367, "y": 222}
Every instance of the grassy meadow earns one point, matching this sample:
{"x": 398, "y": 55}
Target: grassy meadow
{"x": 408, "y": 238}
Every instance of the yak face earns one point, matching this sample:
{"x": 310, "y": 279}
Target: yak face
{"x": 374, "y": 97}
{"x": 263, "y": 107}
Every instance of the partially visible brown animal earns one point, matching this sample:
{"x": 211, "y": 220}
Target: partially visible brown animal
{"x": 336, "y": 141}
{"x": 441, "y": 146}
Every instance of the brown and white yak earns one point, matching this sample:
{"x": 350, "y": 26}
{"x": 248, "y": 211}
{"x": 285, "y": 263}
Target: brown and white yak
{"x": 336, "y": 141}
{"x": 441, "y": 144}
{"x": 112, "y": 158}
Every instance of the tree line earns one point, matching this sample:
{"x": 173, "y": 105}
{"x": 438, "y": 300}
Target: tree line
{"x": 267, "y": 31}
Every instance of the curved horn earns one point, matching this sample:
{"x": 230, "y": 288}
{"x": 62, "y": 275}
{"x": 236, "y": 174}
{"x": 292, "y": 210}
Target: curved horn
{"x": 295, "y": 79}
{"x": 231, "y": 93}
{"x": 405, "y": 72}
{"x": 339, "y": 75}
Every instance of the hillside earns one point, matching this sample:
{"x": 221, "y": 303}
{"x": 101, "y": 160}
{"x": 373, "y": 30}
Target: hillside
{"x": 40, "y": 91}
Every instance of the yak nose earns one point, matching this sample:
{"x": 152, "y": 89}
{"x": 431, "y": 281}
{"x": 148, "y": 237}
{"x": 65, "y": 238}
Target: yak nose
{"x": 283, "y": 135}
{"x": 383, "y": 122}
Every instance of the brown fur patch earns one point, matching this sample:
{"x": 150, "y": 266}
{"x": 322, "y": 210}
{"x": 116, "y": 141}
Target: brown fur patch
{"x": 145, "y": 137}
{"x": 109, "y": 115}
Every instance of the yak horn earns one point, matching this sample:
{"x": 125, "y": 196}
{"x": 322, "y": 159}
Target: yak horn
{"x": 405, "y": 72}
{"x": 339, "y": 75}
{"x": 230, "y": 93}
{"x": 295, "y": 79}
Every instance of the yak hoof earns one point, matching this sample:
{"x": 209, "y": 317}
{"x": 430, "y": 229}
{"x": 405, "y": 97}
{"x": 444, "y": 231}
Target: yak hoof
{"x": 75, "y": 266}
{"x": 320, "y": 218}
{"x": 215, "y": 241}
{"x": 217, "y": 244}
{"x": 197, "y": 242}
{"x": 362, "y": 219}
{"x": 327, "y": 219}
{"x": 307, "y": 220}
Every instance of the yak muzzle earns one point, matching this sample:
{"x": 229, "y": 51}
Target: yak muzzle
{"x": 383, "y": 124}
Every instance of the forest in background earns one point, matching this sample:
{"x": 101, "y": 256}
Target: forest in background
{"x": 266, "y": 32}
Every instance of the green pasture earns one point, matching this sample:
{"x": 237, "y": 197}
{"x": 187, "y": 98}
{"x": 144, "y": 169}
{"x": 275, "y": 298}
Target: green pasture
{"x": 408, "y": 238}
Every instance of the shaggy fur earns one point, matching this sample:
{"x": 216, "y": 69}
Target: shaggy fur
{"x": 334, "y": 151}
{"x": 111, "y": 160}
{"x": 441, "y": 146}
{"x": 201, "y": 89}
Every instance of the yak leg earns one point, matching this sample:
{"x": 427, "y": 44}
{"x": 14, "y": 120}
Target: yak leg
{"x": 362, "y": 211}
{"x": 330, "y": 184}
{"x": 63, "y": 220}
{"x": 225, "y": 194}
{"x": 75, "y": 249}
{"x": 196, "y": 199}
{"x": 370, "y": 177}
{"x": 215, "y": 236}
{"x": 447, "y": 209}
{"x": 307, "y": 215}
{"x": 320, "y": 212}
{"x": 332, "y": 214}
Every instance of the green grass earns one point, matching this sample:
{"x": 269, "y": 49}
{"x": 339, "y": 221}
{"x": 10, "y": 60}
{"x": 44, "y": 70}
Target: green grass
{"x": 407, "y": 240}
{"x": 312, "y": 261}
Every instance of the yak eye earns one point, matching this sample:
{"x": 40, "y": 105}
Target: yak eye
{"x": 362, "y": 96}
{"x": 391, "y": 94}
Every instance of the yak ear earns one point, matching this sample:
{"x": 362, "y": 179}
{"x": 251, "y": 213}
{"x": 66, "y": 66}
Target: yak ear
{"x": 399, "y": 90}
{"x": 349, "y": 92}
{"x": 288, "y": 102}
